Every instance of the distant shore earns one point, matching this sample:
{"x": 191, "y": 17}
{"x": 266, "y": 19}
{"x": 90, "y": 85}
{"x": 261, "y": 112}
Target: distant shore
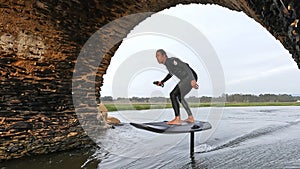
{"x": 145, "y": 106}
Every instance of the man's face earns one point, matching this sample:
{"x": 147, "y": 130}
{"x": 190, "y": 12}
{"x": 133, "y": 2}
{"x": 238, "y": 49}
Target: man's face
{"x": 160, "y": 58}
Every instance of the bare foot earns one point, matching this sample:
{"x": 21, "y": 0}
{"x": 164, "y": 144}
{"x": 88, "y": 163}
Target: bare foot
{"x": 190, "y": 119}
{"x": 175, "y": 121}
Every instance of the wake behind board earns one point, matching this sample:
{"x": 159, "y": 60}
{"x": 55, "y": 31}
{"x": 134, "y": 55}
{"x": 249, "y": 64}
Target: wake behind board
{"x": 163, "y": 127}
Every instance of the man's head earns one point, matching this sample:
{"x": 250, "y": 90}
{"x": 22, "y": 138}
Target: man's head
{"x": 161, "y": 56}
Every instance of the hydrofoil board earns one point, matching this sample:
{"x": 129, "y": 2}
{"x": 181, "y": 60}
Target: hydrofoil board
{"x": 163, "y": 127}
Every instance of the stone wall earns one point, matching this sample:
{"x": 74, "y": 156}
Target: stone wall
{"x": 36, "y": 61}
{"x": 39, "y": 44}
{"x": 281, "y": 18}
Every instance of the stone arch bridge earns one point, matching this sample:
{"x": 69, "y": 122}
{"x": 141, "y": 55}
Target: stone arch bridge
{"x": 39, "y": 44}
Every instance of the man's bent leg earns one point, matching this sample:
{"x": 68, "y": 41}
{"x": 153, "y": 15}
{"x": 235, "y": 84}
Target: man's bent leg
{"x": 185, "y": 88}
{"x": 174, "y": 95}
{"x": 185, "y": 105}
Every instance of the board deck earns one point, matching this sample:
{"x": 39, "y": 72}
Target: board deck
{"x": 163, "y": 127}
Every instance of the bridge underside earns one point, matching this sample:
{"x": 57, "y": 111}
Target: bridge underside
{"x": 39, "y": 45}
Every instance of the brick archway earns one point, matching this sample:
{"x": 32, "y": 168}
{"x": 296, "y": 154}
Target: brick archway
{"x": 39, "y": 44}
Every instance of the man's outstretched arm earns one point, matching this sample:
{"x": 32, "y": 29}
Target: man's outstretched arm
{"x": 167, "y": 78}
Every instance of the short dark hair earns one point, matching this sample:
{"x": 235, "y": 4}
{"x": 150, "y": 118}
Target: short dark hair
{"x": 163, "y": 52}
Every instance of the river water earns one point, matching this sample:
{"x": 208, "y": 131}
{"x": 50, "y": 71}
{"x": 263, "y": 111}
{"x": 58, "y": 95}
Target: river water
{"x": 243, "y": 137}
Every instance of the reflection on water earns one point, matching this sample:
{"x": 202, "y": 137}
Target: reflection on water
{"x": 246, "y": 137}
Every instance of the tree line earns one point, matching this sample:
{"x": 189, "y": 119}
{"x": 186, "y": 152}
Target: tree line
{"x": 207, "y": 99}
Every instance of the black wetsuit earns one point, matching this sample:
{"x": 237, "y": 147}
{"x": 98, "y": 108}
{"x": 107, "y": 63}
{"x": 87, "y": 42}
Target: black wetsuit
{"x": 186, "y": 74}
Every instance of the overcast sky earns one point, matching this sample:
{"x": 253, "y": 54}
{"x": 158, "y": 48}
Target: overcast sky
{"x": 253, "y": 61}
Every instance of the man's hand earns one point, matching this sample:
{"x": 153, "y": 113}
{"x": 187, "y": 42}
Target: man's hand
{"x": 158, "y": 83}
{"x": 194, "y": 84}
